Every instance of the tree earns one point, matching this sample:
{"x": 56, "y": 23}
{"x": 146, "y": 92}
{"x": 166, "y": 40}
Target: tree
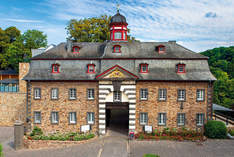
{"x": 12, "y": 33}
{"x": 34, "y": 39}
{"x": 94, "y": 29}
{"x": 3, "y": 41}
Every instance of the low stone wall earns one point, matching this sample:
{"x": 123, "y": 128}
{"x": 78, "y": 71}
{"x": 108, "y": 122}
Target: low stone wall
{"x": 40, "y": 144}
{"x": 12, "y": 108}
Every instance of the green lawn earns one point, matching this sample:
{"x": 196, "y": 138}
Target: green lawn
{"x": 151, "y": 155}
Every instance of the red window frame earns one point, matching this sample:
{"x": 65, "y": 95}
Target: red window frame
{"x": 161, "y": 51}
{"x": 53, "y": 68}
{"x": 115, "y": 49}
{"x": 178, "y": 67}
{"x": 141, "y": 68}
{"x": 73, "y": 49}
{"x": 88, "y": 69}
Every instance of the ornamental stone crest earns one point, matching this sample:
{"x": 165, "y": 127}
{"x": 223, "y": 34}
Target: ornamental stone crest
{"x": 116, "y": 74}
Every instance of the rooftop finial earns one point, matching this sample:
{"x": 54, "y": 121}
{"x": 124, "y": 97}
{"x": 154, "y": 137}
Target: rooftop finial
{"x": 118, "y": 8}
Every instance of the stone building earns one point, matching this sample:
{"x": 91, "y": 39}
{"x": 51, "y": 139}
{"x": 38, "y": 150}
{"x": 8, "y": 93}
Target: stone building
{"x": 158, "y": 84}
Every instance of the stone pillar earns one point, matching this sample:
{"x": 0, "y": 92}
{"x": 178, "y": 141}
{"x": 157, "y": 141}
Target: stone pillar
{"x": 18, "y": 135}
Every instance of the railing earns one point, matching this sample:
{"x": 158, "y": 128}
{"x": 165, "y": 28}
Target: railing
{"x": 224, "y": 118}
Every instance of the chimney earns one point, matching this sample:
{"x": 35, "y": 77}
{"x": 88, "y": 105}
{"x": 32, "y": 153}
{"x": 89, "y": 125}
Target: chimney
{"x": 69, "y": 45}
{"x": 172, "y": 41}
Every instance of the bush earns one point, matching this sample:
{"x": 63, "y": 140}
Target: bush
{"x": 36, "y": 131}
{"x": 231, "y": 132}
{"x": 151, "y": 155}
{"x": 215, "y": 129}
{"x": 1, "y": 153}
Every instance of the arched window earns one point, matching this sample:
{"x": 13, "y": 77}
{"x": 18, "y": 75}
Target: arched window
{"x": 117, "y": 49}
{"x": 76, "y": 49}
{"x": 180, "y": 68}
{"x": 91, "y": 68}
{"x": 144, "y": 68}
{"x": 55, "y": 68}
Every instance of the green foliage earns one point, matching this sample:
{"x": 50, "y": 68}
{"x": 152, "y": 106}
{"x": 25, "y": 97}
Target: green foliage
{"x": 1, "y": 153}
{"x": 36, "y": 131}
{"x": 95, "y": 29}
{"x": 151, "y": 155}
{"x": 15, "y": 48}
{"x": 215, "y": 129}
{"x": 221, "y": 62}
{"x": 34, "y": 39}
{"x": 231, "y": 132}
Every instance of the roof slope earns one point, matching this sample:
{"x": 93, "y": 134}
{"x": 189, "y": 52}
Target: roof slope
{"x": 96, "y": 50}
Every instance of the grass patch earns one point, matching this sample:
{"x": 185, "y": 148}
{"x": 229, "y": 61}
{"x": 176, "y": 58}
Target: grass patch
{"x": 151, "y": 155}
{"x": 1, "y": 153}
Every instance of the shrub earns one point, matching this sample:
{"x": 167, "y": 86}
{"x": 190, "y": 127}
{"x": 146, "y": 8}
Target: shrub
{"x": 215, "y": 129}
{"x": 141, "y": 137}
{"x": 151, "y": 155}
{"x": 36, "y": 131}
{"x": 231, "y": 132}
{"x": 1, "y": 153}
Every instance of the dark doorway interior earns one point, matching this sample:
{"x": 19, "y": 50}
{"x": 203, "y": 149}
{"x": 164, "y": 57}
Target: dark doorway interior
{"x": 117, "y": 120}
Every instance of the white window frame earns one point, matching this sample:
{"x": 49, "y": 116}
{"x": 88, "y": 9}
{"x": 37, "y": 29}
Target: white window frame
{"x": 143, "y": 94}
{"x": 200, "y": 119}
{"x": 37, "y": 117}
{"x": 181, "y": 95}
{"x": 117, "y": 96}
{"x": 90, "y": 117}
{"x": 72, "y": 117}
{"x": 200, "y": 94}
{"x": 181, "y": 119}
{"x": 72, "y": 93}
{"x": 54, "y": 93}
{"x": 37, "y": 93}
{"x": 54, "y": 117}
{"x": 118, "y": 35}
{"x": 143, "y": 118}
{"x": 90, "y": 94}
{"x": 162, "y": 119}
{"x": 162, "y": 94}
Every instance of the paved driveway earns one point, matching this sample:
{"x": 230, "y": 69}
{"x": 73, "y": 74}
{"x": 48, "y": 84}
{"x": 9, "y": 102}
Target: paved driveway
{"x": 115, "y": 144}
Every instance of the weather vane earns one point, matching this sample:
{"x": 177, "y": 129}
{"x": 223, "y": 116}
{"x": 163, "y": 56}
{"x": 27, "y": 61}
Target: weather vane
{"x": 118, "y": 7}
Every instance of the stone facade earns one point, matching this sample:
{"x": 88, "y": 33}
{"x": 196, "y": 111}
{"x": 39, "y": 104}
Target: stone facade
{"x": 63, "y": 105}
{"x": 13, "y": 105}
{"x": 171, "y": 106}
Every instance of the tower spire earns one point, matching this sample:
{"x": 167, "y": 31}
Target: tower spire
{"x": 117, "y": 7}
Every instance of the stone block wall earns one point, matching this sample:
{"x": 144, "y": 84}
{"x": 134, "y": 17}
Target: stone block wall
{"x": 171, "y": 106}
{"x": 12, "y": 108}
{"x": 63, "y": 106}
{"x": 13, "y": 105}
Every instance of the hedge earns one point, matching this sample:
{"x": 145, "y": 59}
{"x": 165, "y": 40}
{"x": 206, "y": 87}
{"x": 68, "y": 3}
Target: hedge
{"x": 215, "y": 129}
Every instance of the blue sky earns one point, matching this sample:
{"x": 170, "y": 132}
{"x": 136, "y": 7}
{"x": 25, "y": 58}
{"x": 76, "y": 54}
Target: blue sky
{"x": 196, "y": 24}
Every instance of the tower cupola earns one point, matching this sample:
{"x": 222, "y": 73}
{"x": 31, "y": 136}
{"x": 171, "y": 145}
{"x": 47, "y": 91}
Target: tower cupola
{"x": 118, "y": 27}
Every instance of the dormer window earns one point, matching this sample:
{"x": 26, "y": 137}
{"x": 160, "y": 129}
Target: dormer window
{"x": 76, "y": 49}
{"x": 180, "y": 68}
{"x": 55, "y": 68}
{"x": 144, "y": 68}
{"x": 161, "y": 49}
{"x": 117, "y": 49}
{"x": 91, "y": 68}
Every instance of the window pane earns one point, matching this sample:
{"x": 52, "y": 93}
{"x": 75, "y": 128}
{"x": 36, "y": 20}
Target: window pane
{"x": 90, "y": 93}
{"x": 143, "y": 118}
{"x": 90, "y": 117}
{"x": 37, "y": 93}
{"x": 118, "y": 35}
{"x": 54, "y": 117}
{"x": 181, "y": 119}
{"x": 162, "y": 119}
{"x": 54, "y": 93}
{"x": 117, "y": 96}
{"x": 144, "y": 94}
{"x": 37, "y": 117}
{"x": 162, "y": 94}
{"x": 72, "y": 117}
{"x": 72, "y": 93}
{"x": 200, "y": 95}
{"x": 181, "y": 94}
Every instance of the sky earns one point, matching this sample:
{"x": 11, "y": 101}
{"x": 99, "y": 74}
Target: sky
{"x": 196, "y": 24}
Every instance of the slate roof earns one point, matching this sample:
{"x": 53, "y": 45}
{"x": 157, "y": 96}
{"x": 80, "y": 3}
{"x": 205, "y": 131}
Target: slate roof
{"x": 96, "y": 50}
{"x": 118, "y": 18}
{"x": 73, "y": 66}
{"x": 8, "y": 72}
{"x": 15, "y": 81}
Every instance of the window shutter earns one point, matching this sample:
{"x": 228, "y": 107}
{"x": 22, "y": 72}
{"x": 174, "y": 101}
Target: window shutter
{"x": 184, "y": 95}
{"x": 165, "y": 119}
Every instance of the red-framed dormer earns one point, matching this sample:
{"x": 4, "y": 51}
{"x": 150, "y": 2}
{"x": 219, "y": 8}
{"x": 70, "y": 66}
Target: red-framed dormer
{"x": 117, "y": 49}
{"x": 91, "y": 68}
{"x": 55, "y": 68}
{"x": 180, "y": 68}
{"x": 75, "y": 49}
{"x": 161, "y": 49}
{"x": 144, "y": 68}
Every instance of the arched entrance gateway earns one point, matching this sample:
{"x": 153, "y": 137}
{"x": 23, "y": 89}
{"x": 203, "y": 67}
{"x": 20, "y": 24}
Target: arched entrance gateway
{"x": 117, "y": 99}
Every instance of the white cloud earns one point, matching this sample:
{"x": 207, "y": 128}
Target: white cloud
{"x": 23, "y": 20}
